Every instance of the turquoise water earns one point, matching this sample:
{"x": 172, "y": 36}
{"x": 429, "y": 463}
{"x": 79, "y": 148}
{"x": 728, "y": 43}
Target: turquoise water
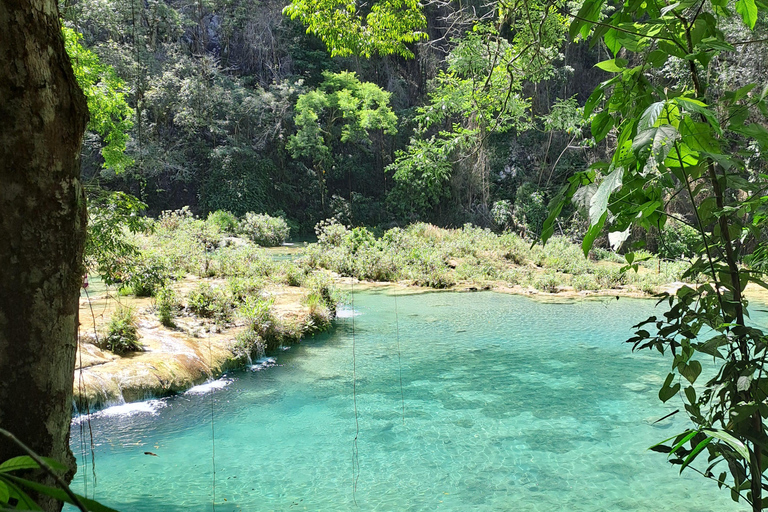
{"x": 510, "y": 404}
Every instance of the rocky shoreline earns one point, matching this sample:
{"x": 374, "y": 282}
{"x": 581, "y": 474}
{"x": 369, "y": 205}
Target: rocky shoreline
{"x": 173, "y": 359}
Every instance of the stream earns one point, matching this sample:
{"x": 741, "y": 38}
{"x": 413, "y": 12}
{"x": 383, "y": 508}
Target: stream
{"x": 414, "y": 402}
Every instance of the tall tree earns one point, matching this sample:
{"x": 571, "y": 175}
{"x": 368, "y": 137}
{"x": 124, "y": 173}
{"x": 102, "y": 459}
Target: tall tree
{"x": 42, "y": 225}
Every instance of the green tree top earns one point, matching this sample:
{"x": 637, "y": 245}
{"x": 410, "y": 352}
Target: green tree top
{"x": 387, "y": 28}
{"x": 342, "y": 109}
{"x": 110, "y": 115}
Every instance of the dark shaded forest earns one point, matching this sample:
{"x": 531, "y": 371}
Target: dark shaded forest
{"x": 236, "y": 107}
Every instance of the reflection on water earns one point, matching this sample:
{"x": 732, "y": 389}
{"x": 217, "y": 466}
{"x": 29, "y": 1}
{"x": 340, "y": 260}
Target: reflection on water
{"x": 506, "y": 404}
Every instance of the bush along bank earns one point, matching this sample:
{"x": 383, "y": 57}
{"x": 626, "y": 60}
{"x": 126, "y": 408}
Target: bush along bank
{"x": 190, "y": 302}
{"x": 425, "y": 255}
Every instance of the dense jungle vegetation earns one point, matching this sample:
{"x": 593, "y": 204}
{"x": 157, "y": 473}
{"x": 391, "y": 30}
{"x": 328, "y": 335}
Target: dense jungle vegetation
{"x": 231, "y": 105}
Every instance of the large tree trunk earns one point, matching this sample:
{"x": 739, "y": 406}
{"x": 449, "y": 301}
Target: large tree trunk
{"x": 43, "y": 115}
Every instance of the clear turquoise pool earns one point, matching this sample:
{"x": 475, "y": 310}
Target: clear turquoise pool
{"x": 509, "y": 404}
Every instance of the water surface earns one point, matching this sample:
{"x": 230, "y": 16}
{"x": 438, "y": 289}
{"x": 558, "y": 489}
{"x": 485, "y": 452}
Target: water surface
{"x": 505, "y": 404}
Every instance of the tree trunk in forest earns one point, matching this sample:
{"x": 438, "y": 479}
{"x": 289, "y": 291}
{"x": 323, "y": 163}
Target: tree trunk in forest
{"x": 43, "y": 115}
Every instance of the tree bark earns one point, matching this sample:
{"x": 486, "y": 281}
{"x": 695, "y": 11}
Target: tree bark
{"x": 43, "y": 115}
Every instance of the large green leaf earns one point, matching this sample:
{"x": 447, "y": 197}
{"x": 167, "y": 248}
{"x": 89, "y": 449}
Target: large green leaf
{"x": 651, "y": 114}
{"x": 592, "y": 233}
{"x": 734, "y": 443}
{"x": 5, "y": 493}
{"x": 24, "y": 501}
{"x": 613, "y": 65}
{"x": 598, "y": 204}
{"x": 59, "y": 494}
{"x": 26, "y": 462}
{"x": 748, "y": 11}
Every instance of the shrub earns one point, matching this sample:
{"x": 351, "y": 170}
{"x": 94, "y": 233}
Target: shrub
{"x": 248, "y": 344}
{"x": 147, "y": 276}
{"x": 173, "y": 219}
{"x": 261, "y": 320}
{"x": 210, "y": 302}
{"x": 240, "y": 288}
{"x": 330, "y": 233}
{"x": 167, "y": 305}
{"x": 122, "y": 332}
{"x": 225, "y": 221}
{"x": 584, "y": 282}
{"x": 264, "y": 230}
{"x": 547, "y": 282}
{"x": 678, "y": 240}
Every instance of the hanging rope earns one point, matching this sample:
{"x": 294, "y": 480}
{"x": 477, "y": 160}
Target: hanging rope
{"x": 399, "y": 360}
{"x": 355, "y": 452}
{"x": 84, "y": 398}
{"x": 213, "y": 430}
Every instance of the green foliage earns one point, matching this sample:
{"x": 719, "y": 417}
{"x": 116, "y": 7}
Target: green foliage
{"x": 530, "y": 210}
{"x": 167, "y": 305}
{"x": 681, "y": 135}
{"x": 110, "y": 115}
{"x": 249, "y": 345}
{"x": 209, "y": 301}
{"x": 438, "y": 258}
{"x": 14, "y": 489}
{"x": 122, "y": 332}
{"x": 146, "y": 276}
{"x": 342, "y": 116}
{"x": 224, "y": 221}
{"x": 678, "y": 240}
{"x": 387, "y": 28}
{"x": 264, "y": 230}
{"x": 108, "y": 248}
{"x": 480, "y": 93}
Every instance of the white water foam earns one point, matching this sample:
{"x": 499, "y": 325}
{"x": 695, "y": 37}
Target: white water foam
{"x": 131, "y": 409}
{"x": 209, "y": 386}
{"x": 346, "y": 312}
{"x": 264, "y": 362}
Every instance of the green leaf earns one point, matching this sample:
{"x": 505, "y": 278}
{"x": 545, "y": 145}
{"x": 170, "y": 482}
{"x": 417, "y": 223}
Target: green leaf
{"x": 59, "y": 494}
{"x": 748, "y": 11}
{"x": 684, "y": 439}
{"x": 692, "y": 456}
{"x": 691, "y": 371}
{"x": 613, "y": 65}
{"x": 666, "y": 392}
{"x": 651, "y": 114}
{"x": 601, "y": 125}
{"x": 691, "y": 105}
{"x": 713, "y": 345}
{"x": 598, "y": 204}
{"x": 5, "y": 493}
{"x": 27, "y": 462}
{"x": 590, "y": 11}
{"x": 24, "y": 501}
{"x": 592, "y": 233}
{"x": 734, "y": 443}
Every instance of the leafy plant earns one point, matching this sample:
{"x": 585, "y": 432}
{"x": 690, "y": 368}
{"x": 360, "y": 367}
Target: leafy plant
{"x": 225, "y": 221}
{"x": 264, "y": 230}
{"x": 109, "y": 250}
{"x": 146, "y": 277}
{"x": 210, "y": 302}
{"x": 14, "y": 489}
{"x": 122, "y": 332}
{"x": 167, "y": 305}
{"x": 681, "y": 135}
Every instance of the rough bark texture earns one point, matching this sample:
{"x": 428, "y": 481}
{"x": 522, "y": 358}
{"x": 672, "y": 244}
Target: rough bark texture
{"x": 43, "y": 115}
